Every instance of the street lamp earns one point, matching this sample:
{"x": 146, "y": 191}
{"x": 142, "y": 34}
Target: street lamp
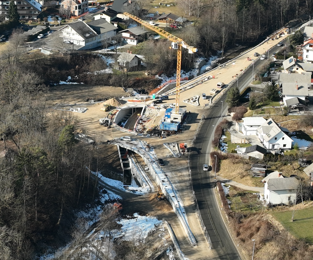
{"x": 253, "y": 240}
{"x": 215, "y": 164}
{"x": 222, "y": 108}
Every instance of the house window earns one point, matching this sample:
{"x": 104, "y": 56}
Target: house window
{"x": 283, "y": 138}
{"x": 76, "y": 7}
{"x": 284, "y": 145}
{"x": 307, "y": 56}
{"x": 307, "y": 50}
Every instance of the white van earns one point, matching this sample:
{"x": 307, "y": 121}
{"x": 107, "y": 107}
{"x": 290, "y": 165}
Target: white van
{"x": 220, "y": 85}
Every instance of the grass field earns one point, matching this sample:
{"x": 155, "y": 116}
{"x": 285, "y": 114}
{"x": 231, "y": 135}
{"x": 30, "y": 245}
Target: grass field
{"x": 230, "y": 146}
{"x": 302, "y": 225}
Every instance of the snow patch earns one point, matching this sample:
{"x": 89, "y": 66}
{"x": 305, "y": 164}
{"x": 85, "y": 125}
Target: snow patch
{"x": 107, "y": 60}
{"x": 225, "y": 188}
{"x": 208, "y": 65}
{"x": 137, "y": 228}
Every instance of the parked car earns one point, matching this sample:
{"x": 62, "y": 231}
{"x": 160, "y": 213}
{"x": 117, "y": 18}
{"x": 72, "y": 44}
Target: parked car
{"x": 164, "y": 97}
{"x": 205, "y": 167}
{"x": 256, "y": 54}
{"x": 40, "y": 36}
{"x": 151, "y": 23}
{"x": 203, "y": 95}
{"x": 263, "y": 57}
{"x": 280, "y": 44}
{"x": 161, "y": 162}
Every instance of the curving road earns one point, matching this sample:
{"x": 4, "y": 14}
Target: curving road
{"x": 203, "y": 183}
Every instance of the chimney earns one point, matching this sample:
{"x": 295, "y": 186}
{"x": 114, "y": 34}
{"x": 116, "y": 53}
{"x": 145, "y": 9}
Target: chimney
{"x": 279, "y": 174}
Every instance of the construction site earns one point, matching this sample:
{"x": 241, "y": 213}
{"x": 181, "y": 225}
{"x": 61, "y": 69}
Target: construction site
{"x": 152, "y": 137}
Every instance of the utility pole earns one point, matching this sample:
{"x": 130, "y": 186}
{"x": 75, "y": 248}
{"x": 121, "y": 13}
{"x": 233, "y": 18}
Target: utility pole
{"x": 253, "y": 240}
{"x": 222, "y": 108}
{"x": 215, "y": 164}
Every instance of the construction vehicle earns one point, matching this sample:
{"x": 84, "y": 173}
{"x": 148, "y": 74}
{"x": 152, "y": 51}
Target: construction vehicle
{"x": 160, "y": 196}
{"x": 177, "y": 44}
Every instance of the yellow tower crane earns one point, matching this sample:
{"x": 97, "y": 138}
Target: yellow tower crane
{"x": 177, "y": 44}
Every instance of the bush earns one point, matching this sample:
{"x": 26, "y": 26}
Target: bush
{"x": 225, "y": 124}
{"x": 239, "y": 112}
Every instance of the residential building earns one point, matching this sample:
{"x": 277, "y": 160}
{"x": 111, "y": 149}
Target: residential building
{"x": 73, "y": 7}
{"x": 128, "y": 60}
{"x": 134, "y": 35}
{"x": 273, "y": 137}
{"x": 279, "y": 190}
{"x": 254, "y": 151}
{"x": 251, "y": 124}
{"x": 27, "y": 9}
{"x": 305, "y": 53}
{"x": 308, "y": 32}
{"x": 295, "y": 85}
{"x": 88, "y": 35}
{"x": 168, "y": 19}
{"x": 309, "y": 171}
{"x": 108, "y": 15}
{"x": 292, "y": 65}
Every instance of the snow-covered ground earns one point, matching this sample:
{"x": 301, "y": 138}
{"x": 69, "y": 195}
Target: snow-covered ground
{"x": 68, "y": 82}
{"x": 137, "y": 227}
{"x": 133, "y": 188}
{"x": 208, "y": 65}
{"x": 164, "y": 78}
{"x": 106, "y": 59}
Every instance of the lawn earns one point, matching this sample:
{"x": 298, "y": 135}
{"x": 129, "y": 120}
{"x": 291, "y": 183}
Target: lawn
{"x": 302, "y": 225}
{"x": 230, "y": 146}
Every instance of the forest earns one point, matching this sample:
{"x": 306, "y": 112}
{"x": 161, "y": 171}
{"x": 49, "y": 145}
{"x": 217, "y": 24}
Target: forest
{"x": 43, "y": 174}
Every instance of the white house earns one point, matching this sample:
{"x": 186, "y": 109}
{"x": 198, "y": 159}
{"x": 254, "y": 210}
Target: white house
{"x": 128, "y": 60}
{"x": 306, "y": 53}
{"x": 251, "y": 124}
{"x": 108, "y": 15}
{"x": 292, "y": 65}
{"x": 273, "y": 137}
{"x": 134, "y": 35}
{"x": 88, "y": 35}
{"x": 279, "y": 190}
{"x": 295, "y": 85}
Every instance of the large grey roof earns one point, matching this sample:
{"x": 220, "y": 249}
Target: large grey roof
{"x": 308, "y": 32}
{"x": 126, "y": 57}
{"x": 291, "y": 81}
{"x": 135, "y": 30}
{"x": 83, "y": 29}
{"x": 282, "y": 184}
{"x": 307, "y": 66}
{"x": 294, "y": 101}
{"x": 254, "y": 148}
{"x": 117, "y": 5}
{"x": 308, "y": 169}
{"x": 170, "y": 15}
{"x": 101, "y": 26}
{"x": 289, "y": 62}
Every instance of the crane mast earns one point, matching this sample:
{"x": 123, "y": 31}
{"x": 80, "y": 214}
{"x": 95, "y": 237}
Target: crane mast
{"x": 177, "y": 43}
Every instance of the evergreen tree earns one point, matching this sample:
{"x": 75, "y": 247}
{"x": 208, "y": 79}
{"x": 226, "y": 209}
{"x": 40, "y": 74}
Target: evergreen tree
{"x": 252, "y": 103}
{"x": 13, "y": 14}
{"x": 272, "y": 92}
{"x": 233, "y": 97}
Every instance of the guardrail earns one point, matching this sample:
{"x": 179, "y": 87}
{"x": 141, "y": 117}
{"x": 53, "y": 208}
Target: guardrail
{"x": 202, "y": 77}
{"x": 175, "y": 242}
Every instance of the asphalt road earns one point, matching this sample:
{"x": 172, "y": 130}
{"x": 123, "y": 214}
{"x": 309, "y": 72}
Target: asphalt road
{"x": 203, "y": 183}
